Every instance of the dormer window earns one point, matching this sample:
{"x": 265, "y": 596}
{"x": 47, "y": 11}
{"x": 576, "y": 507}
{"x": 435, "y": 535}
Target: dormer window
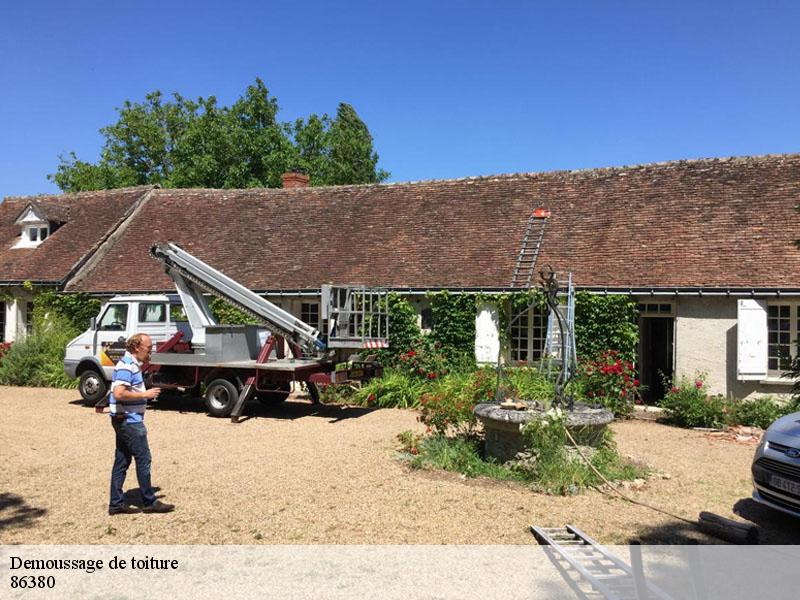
{"x": 36, "y": 234}
{"x": 37, "y": 222}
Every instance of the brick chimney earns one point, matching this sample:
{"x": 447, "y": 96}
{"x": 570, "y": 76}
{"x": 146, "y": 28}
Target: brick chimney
{"x": 293, "y": 179}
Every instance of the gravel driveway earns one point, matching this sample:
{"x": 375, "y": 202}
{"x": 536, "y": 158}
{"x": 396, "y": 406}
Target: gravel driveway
{"x": 309, "y": 474}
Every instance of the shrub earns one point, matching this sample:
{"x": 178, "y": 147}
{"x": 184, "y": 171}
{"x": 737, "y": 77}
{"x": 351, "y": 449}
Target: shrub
{"x": 611, "y": 381}
{"x": 552, "y": 467}
{"x": 528, "y": 383}
{"x": 458, "y": 454}
{"x": 447, "y": 405}
{"x": 759, "y": 412}
{"x": 395, "y": 389}
{"x": 424, "y": 359}
{"x": 38, "y": 359}
{"x": 688, "y": 404}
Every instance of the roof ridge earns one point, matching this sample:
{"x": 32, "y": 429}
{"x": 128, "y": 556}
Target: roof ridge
{"x": 34, "y": 197}
{"x": 745, "y": 159}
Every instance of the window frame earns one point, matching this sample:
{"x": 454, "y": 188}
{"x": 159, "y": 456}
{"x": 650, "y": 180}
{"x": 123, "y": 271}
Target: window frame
{"x": 106, "y": 311}
{"x": 530, "y": 331}
{"x": 792, "y": 331}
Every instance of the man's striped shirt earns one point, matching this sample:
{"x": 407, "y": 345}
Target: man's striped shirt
{"x": 127, "y": 372}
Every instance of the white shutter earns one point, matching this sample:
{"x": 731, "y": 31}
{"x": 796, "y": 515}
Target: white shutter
{"x": 487, "y": 334}
{"x": 752, "y": 340}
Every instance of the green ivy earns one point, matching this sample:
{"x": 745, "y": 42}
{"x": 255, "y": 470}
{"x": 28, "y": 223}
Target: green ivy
{"x": 403, "y": 330}
{"x": 606, "y": 323}
{"x": 230, "y": 315}
{"x": 77, "y": 310}
{"x": 454, "y": 325}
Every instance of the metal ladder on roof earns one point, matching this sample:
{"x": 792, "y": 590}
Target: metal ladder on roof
{"x": 591, "y": 570}
{"x": 552, "y": 342}
{"x": 529, "y": 251}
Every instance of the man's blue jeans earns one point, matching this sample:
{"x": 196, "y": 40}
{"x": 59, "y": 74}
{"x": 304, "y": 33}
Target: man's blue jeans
{"x": 131, "y": 444}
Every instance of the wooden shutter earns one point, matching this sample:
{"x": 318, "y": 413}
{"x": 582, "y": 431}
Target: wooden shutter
{"x": 752, "y": 340}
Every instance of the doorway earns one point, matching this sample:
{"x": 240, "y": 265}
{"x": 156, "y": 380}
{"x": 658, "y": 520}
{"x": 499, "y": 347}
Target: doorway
{"x": 656, "y": 337}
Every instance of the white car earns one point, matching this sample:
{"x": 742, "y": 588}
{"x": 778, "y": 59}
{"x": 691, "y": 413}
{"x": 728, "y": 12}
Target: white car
{"x": 776, "y": 466}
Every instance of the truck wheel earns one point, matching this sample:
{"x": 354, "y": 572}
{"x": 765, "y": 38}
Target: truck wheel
{"x": 276, "y": 396}
{"x": 221, "y": 397}
{"x": 92, "y": 386}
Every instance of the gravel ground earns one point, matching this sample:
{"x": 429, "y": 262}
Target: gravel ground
{"x": 306, "y": 474}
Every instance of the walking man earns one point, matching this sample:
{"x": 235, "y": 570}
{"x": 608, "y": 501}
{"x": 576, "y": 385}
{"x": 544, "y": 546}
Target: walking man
{"x": 127, "y": 403}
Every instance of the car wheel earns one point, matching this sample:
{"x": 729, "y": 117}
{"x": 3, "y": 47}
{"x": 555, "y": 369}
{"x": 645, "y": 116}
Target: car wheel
{"x": 221, "y": 397}
{"x": 92, "y": 386}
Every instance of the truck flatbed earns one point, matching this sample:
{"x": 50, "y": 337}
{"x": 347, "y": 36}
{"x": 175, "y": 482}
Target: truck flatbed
{"x": 172, "y": 359}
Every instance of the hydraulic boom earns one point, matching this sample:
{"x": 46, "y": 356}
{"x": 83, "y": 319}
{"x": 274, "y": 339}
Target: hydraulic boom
{"x": 191, "y": 276}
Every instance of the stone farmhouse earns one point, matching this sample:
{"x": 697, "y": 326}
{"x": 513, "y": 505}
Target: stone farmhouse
{"x": 707, "y": 247}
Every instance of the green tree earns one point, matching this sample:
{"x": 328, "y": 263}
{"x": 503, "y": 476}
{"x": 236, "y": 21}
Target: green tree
{"x": 352, "y": 158}
{"x": 184, "y": 143}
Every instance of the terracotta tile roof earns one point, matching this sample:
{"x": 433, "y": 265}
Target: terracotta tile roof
{"x": 703, "y": 223}
{"x": 54, "y": 210}
{"x": 87, "y": 218}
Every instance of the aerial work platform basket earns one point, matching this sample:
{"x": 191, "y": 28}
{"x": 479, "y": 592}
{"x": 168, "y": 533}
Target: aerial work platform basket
{"x": 357, "y": 317}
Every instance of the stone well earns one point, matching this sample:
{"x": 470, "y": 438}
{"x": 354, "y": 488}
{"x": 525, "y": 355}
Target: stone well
{"x": 586, "y": 423}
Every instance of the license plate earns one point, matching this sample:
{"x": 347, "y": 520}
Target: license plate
{"x": 791, "y": 487}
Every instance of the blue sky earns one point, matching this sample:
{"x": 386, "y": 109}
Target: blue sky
{"x": 448, "y": 89}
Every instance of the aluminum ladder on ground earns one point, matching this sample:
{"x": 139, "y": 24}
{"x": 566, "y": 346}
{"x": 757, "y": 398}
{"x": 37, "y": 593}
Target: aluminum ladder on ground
{"x": 552, "y": 343}
{"x": 583, "y": 562}
{"x": 529, "y": 251}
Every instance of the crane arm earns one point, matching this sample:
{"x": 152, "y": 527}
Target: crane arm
{"x": 190, "y": 273}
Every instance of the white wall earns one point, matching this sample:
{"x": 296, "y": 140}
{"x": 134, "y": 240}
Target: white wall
{"x": 705, "y": 341}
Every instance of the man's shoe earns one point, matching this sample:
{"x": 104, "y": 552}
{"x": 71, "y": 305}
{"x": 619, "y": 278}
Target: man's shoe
{"x": 125, "y": 509}
{"x": 159, "y": 507}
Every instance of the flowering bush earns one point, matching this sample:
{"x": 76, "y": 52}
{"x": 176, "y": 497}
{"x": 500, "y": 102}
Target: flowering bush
{"x": 612, "y": 382}
{"x": 448, "y": 406}
{"x": 424, "y": 359}
{"x": 688, "y": 404}
{"x": 4, "y": 348}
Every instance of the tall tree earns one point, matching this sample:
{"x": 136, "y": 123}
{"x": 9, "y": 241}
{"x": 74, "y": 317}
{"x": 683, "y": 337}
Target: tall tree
{"x": 185, "y": 143}
{"x": 352, "y": 159}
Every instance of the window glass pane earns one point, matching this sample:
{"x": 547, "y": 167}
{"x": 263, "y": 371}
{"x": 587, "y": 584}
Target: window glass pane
{"x": 28, "y": 317}
{"x": 779, "y": 338}
{"x": 151, "y": 312}
{"x": 665, "y": 308}
{"x": 115, "y": 318}
{"x": 33, "y": 234}
{"x": 309, "y": 313}
{"x": 43, "y": 233}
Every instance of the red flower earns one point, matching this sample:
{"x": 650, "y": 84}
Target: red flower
{"x": 636, "y": 382}
{"x": 431, "y": 375}
{"x": 411, "y": 353}
{"x": 370, "y": 398}
{"x": 698, "y": 384}
{"x": 414, "y": 450}
{"x": 674, "y": 390}
{"x": 590, "y": 394}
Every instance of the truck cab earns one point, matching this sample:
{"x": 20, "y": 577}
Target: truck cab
{"x": 92, "y": 355}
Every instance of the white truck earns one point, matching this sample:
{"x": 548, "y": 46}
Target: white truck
{"x": 235, "y": 362}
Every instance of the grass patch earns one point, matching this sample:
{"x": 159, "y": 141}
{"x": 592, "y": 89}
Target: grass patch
{"x": 547, "y": 466}
{"x": 456, "y": 454}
